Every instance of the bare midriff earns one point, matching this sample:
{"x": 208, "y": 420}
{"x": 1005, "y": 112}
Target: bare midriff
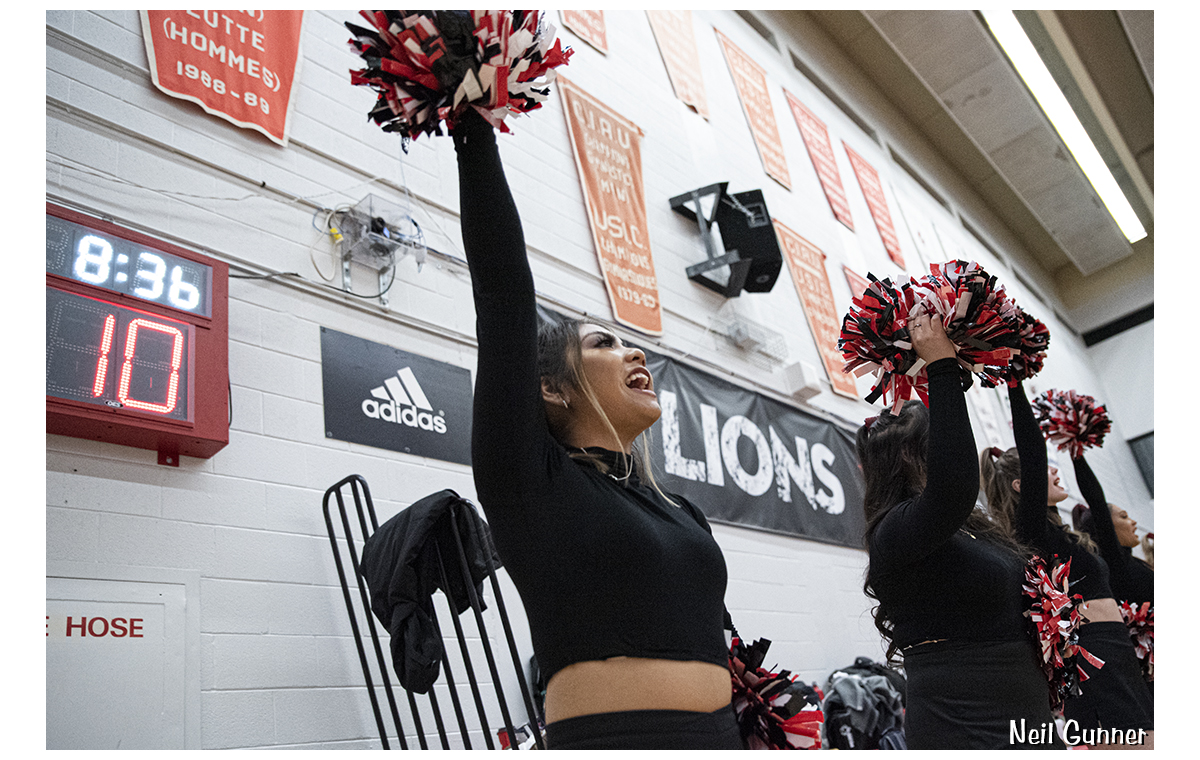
{"x": 636, "y": 683}
{"x": 1101, "y": 611}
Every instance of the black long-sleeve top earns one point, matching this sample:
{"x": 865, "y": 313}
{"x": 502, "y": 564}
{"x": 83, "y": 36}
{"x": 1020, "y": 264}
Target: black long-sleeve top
{"x": 934, "y": 579}
{"x": 605, "y": 566}
{"x": 1131, "y": 579}
{"x": 1089, "y": 573}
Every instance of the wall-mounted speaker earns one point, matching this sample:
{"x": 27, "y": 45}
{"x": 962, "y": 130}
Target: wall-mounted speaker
{"x": 751, "y": 250}
{"x": 746, "y": 228}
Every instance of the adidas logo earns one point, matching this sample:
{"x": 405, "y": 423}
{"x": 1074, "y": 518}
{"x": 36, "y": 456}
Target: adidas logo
{"x": 401, "y": 400}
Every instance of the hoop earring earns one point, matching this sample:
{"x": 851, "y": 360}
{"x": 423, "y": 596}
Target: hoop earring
{"x": 565, "y": 404}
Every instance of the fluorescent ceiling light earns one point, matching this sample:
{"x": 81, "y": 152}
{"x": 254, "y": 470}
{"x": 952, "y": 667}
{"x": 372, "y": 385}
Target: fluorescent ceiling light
{"x": 1008, "y": 32}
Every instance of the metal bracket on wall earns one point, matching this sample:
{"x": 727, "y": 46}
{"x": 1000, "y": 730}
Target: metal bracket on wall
{"x": 739, "y": 268}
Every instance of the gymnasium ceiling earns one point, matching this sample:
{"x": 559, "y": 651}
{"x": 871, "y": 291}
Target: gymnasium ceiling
{"x": 952, "y": 81}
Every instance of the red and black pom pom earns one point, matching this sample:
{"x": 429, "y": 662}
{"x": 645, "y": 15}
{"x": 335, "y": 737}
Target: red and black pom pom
{"x": 1139, "y": 619}
{"x": 1056, "y": 615}
{"x": 773, "y": 709}
{"x": 1071, "y": 420}
{"x": 978, "y": 317}
{"x": 1033, "y": 342}
{"x": 429, "y": 67}
{"x": 875, "y": 339}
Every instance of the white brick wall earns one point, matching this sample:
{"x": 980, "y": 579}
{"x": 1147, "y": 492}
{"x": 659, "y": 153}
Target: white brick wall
{"x": 278, "y": 667}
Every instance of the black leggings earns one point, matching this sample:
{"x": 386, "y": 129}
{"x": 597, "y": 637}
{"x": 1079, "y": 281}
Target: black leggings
{"x": 647, "y": 729}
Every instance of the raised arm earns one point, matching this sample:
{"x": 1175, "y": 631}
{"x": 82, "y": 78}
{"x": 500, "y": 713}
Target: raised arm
{"x": 509, "y": 433}
{"x": 911, "y": 531}
{"x": 915, "y": 529}
{"x": 1030, "y": 522}
{"x": 1102, "y": 524}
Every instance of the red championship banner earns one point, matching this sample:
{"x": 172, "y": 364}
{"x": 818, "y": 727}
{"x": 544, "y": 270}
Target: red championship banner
{"x": 807, "y": 265}
{"x": 676, "y": 38}
{"x": 588, "y": 26}
{"x": 820, "y": 150}
{"x": 239, "y": 65}
{"x": 872, "y": 188}
{"x": 858, "y": 284}
{"x": 751, "y": 82}
{"x": 608, "y": 155}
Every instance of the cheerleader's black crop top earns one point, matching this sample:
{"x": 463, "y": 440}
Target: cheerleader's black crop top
{"x": 604, "y": 565}
{"x": 1089, "y": 572}
{"x": 934, "y": 579}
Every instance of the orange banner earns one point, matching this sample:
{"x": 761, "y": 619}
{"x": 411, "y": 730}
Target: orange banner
{"x": 676, "y": 38}
{"x": 858, "y": 284}
{"x": 588, "y": 26}
{"x": 807, "y": 265}
{"x": 238, "y": 65}
{"x": 751, "y": 82}
{"x": 872, "y": 188}
{"x": 608, "y": 155}
{"x": 820, "y": 150}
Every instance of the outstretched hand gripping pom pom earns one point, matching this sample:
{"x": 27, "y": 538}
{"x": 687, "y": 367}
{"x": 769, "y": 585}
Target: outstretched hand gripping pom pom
{"x": 429, "y": 67}
{"x": 978, "y": 318}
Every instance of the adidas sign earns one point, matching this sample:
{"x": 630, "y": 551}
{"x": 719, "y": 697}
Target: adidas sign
{"x": 401, "y": 400}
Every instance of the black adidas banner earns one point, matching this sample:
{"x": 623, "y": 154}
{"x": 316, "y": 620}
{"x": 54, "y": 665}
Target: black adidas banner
{"x": 381, "y": 396}
{"x": 748, "y": 460}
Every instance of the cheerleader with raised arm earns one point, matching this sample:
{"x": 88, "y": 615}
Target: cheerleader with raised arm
{"x": 948, "y": 582}
{"x": 1023, "y": 494}
{"x": 622, "y": 584}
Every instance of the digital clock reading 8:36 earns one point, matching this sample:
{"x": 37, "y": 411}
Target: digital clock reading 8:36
{"x": 115, "y": 264}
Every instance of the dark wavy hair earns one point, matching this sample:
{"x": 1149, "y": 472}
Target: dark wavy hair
{"x": 893, "y": 452}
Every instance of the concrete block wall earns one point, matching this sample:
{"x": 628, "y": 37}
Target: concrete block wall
{"x": 278, "y": 665}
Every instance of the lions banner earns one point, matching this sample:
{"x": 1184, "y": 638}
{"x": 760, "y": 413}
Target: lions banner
{"x": 748, "y": 460}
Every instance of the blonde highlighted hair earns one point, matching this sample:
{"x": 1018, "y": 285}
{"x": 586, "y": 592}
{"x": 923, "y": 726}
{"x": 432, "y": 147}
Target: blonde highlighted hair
{"x": 560, "y": 365}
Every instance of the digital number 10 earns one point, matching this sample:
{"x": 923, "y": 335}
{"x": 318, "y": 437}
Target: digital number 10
{"x": 131, "y": 338}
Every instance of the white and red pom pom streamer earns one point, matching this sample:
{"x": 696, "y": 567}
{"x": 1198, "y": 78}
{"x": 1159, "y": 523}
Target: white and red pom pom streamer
{"x": 1072, "y": 421}
{"x": 429, "y": 67}
{"x": 875, "y": 338}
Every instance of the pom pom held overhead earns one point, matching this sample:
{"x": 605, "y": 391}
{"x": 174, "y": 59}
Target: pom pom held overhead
{"x": 430, "y": 67}
{"x": 1033, "y": 342}
{"x": 980, "y": 320}
{"x": 1071, "y": 420}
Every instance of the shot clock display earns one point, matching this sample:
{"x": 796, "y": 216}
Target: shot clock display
{"x": 136, "y": 339}
{"x": 84, "y": 254}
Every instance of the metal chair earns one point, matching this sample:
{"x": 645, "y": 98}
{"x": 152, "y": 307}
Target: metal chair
{"x": 347, "y": 546}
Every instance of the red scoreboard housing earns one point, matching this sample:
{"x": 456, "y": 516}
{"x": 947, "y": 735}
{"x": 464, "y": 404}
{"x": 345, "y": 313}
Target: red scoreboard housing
{"x": 137, "y": 339}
